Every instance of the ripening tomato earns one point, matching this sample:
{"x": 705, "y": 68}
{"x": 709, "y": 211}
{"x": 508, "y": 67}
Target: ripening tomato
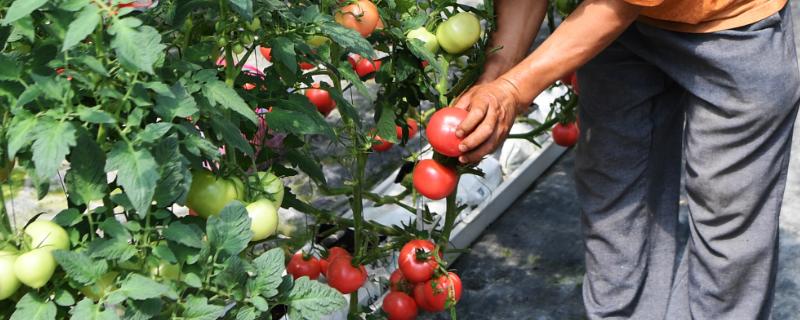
{"x": 301, "y": 265}
{"x": 35, "y": 268}
{"x": 263, "y": 219}
{"x": 434, "y": 180}
{"x": 320, "y": 98}
{"x": 209, "y": 194}
{"x": 398, "y": 282}
{"x": 266, "y": 53}
{"x": 361, "y": 16}
{"x": 101, "y": 287}
{"x": 441, "y": 130}
{"x": 413, "y": 127}
{"x": 419, "y": 297}
{"x": 343, "y": 276}
{"x": 428, "y": 39}
{"x": 565, "y": 134}
{"x": 367, "y": 67}
{"x": 46, "y": 234}
{"x": 459, "y": 32}
{"x": 333, "y": 253}
{"x": 381, "y": 144}
{"x": 8, "y": 281}
{"x": 399, "y": 306}
{"x": 443, "y": 291}
{"x": 416, "y": 260}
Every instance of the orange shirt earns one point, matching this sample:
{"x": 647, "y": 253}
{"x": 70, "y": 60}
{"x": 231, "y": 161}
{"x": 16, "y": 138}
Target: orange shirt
{"x": 699, "y": 16}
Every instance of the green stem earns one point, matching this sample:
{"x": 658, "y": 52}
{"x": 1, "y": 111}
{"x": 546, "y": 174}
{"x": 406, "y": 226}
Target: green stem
{"x": 449, "y": 220}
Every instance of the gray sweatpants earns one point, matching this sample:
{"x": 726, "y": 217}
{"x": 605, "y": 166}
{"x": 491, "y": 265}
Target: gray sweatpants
{"x": 727, "y": 102}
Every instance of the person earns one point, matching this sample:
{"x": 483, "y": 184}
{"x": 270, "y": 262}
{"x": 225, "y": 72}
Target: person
{"x": 712, "y": 84}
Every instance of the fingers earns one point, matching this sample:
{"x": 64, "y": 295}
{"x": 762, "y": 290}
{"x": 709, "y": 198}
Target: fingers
{"x": 478, "y": 108}
{"x": 486, "y": 148}
{"x": 483, "y": 131}
{"x": 463, "y": 100}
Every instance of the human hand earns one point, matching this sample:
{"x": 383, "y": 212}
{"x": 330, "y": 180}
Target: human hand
{"x": 492, "y": 108}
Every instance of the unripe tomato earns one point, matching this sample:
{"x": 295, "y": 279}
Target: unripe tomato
{"x": 398, "y": 282}
{"x": 428, "y": 39}
{"x": 263, "y": 219}
{"x": 35, "y": 268}
{"x": 209, "y": 194}
{"x": 367, "y": 67}
{"x": 441, "y": 290}
{"x": 413, "y": 128}
{"x": 317, "y": 41}
{"x": 565, "y": 134}
{"x": 100, "y": 287}
{"x": 46, "y": 234}
{"x": 441, "y": 130}
{"x": 361, "y": 16}
{"x": 416, "y": 260}
{"x": 272, "y": 185}
{"x": 399, "y": 306}
{"x": 8, "y": 281}
{"x": 343, "y": 276}
{"x": 321, "y": 99}
{"x": 419, "y": 297}
{"x": 266, "y": 53}
{"x": 299, "y": 266}
{"x": 459, "y": 33}
{"x": 434, "y": 180}
{"x": 381, "y": 145}
{"x": 333, "y": 253}
{"x": 238, "y": 48}
{"x": 167, "y": 271}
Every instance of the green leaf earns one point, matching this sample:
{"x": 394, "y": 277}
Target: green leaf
{"x": 82, "y": 26}
{"x": 154, "y": 131}
{"x": 243, "y": 7}
{"x": 230, "y": 231}
{"x": 418, "y": 49}
{"x": 193, "y": 280}
{"x": 112, "y": 249}
{"x": 386, "y": 126}
{"x": 113, "y": 228}
{"x": 20, "y": 134}
{"x": 197, "y": 308}
{"x": 269, "y": 270}
{"x": 55, "y": 88}
{"x": 178, "y": 103}
{"x": 163, "y": 252}
{"x": 218, "y": 93}
{"x": 79, "y": 267}
{"x": 247, "y": 313}
{"x": 68, "y": 217}
{"x": 348, "y": 74}
{"x": 88, "y": 310}
{"x": 175, "y": 175}
{"x": 138, "y": 48}
{"x": 63, "y": 298}
{"x": 34, "y": 307}
{"x": 312, "y": 300}
{"x": 260, "y": 303}
{"x": 345, "y": 108}
{"x": 306, "y": 163}
{"x": 186, "y": 234}
{"x": 29, "y": 95}
{"x": 20, "y": 9}
{"x": 144, "y": 309}
{"x": 9, "y": 67}
{"x": 283, "y": 53}
{"x": 138, "y": 287}
{"x": 233, "y": 275}
{"x": 53, "y": 141}
{"x": 137, "y": 173}
{"x": 95, "y": 115}
{"x": 231, "y": 135}
{"x": 86, "y": 180}
{"x": 93, "y": 64}
{"x": 351, "y": 40}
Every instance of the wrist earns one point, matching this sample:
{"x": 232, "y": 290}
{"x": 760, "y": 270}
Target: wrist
{"x": 513, "y": 89}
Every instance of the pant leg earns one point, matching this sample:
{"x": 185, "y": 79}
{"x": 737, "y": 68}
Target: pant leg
{"x": 743, "y": 86}
{"x": 627, "y": 172}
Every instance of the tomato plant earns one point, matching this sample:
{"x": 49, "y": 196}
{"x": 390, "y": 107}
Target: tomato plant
{"x": 443, "y": 291}
{"x": 434, "y": 180}
{"x": 399, "y": 306}
{"x": 441, "y": 131}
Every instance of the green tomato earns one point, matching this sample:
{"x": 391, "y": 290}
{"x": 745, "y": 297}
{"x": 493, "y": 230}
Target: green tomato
{"x": 167, "y": 271}
{"x": 238, "y": 48}
{"x": 47, "y": 234}
{"x": 35, "y": 268}
{"x": 209, "y": 194}
{"x": 272, "y": 185}
{"x": 8, "y": 281}
{"x": 100, "y": 287}
{"x": 263, "y": 219}
{"x": 254, "y": 25}
{"x": 459, "y": 33}
{"x": 317, "y": 41}
{"x": 428, "y": 38}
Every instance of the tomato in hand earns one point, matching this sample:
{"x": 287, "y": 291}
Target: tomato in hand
{"x": 399, "y": 306}
{"x": 565, "y": 134}
{"x": 300, "y": 266}
{"x": 320, "y": 98}
{"x": 209, "y": 194}
{"x": 333, "y": 253}
{"x": 47, "y": 234}
{"x": 381, "y": 145}
{"x": 443, "y": 291}
{"x": 419, "y": 297}
{"x": 398, "y": 282}
{"x": 263, "y": 219}
{"x": 441, "y": 130}
{"x": 413, "y": 127}
{"x": 367, "y": 67}
{"x": 35, "y": 268}
{"x": 361, "y": 16}
{"x": 8, "y": 281}
{"x": 459, "y": 32}
{"x": 416, "y": 260}
{"x": 343, "y": 276}
{"x": 434, "y": 180}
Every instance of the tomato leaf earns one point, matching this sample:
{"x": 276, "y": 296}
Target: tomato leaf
{"x": 86, "y": 180}
{"x": 9, "y": 68}
{"x": 137, "y": 173}
{"x": 231, "y": 135}
{"x": 138, "y": 287}
{"x": 144, "y": 309}
{"x": 417, "y": 47}
{"x": 20, "y": 9}
{"x": 297, "y": 115}
{"x": 154, "y": 131}
{"x": 283, "y": 53}
{"x": 386, "y": 123}
{"x": 351, "y": 40}
{"x": 186, "y": 234}
{"x": 243, "y": 7}
{"x": 233, "y": 275}
{"x": 230, "y": 231}
{"x": 310, "y": 299}
{"x": 79, "y": 267}
{"x": 345, "y": 108}
{"x": 113, "y": 249}
{"x": 19, "y": 134}
{"x": 53, "y": 141}
{"x": 34, "y": 307}
{"x": 95, "y": 115}
{"x": 82, "y": 26}
{"x": 197, "y": 308}
{"x": 219, "y": 94}
{"x": 307, "y": 163}
{"x": 269, "y": 270}
{"x": 138, "y": 49}
{"x": 63, "y": 298}
{"x": 176, "y": 103}
{"x": 175, "y": 175}
{"x": 86, "y": 309}
{"x": 247, "y": 313}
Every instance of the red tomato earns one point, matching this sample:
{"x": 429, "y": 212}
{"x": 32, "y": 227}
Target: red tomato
{"x": 419, "y": 297}
{"x": 343, "y": 276}
{"x": 574, "y": 82}
{"x": 398, "y": 282}
{"x": 367, "y": 67}
{"x": 434, "y": 180}
{"x": 443, "y": 291}
{"x": 441, "y": 130}
{"x": 381, "y": 145}
{"x": 354, "y": 59}
{"x": 399, "y": 306}
{"x": 300, "y": 266}
{"x": 565, "y": 134}
{"x": 361, "y": 16}
{"x": 332, "y": 254}
{"x": 416, "y": 260}
{"x": 321, "y": 99}
{"x": 306, "y": 66}
{"x": 266, "y": 52}
{"x": 424, "y": 64}
{"x": 413, "y": 127}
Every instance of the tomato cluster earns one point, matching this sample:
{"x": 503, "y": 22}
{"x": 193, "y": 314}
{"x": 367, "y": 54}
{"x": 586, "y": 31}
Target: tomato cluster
{"x": 337, "y": 268}
{"x": 35, "y": 266}
{"x": 419, "y": 283}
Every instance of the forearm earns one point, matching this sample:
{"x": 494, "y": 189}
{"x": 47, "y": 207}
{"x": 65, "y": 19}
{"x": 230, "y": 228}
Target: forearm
{"x": 518, "y": 24}
{"x": 586, "y": 32}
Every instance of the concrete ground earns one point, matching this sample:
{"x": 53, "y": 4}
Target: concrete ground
{"x": 529, "y": 263}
